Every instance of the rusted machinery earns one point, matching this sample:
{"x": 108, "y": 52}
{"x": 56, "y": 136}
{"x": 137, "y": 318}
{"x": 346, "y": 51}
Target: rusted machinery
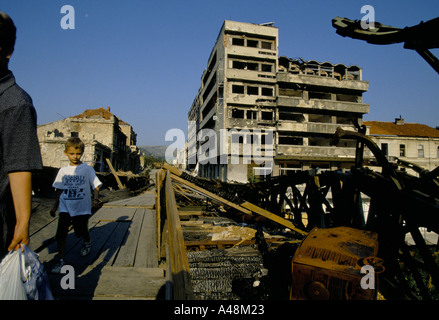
{"x": 328, "y": 265}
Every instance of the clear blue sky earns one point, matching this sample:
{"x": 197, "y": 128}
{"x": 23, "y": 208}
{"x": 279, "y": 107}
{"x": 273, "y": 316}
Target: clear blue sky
{"x": 144, "y": 59}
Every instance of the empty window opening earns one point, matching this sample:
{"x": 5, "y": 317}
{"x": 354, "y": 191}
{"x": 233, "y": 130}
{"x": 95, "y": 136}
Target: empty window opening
{"x": 252, "y": 43}
{"x": 290, "y": 92}
{"x": 321, "y": 118}
{"x": 385, "y": 149}
{"x": 402, "y": 150}
{"x": 266, "y": 68}
{"x": 56, "y": 133}
{"x": 237, "y": 113}
{"x": 238, "y": 41}
{"x": 237, "y": 89}
{"x": 267, "y": 115}
{"x": 345, "y": 120}
{"x": 252, "y": 90}
{"x": 266, "y": 45}
{"x": 243, "y": 65}
{"x": 347, "y": 97}
{"x": 285, "y": 114}
{"x": 289, "y": 140}
{"x": 252, "y": 114}
{"x": 267, "y": 92}
{"x": 238, "y": 65}
{"x": 319, "y": 95}
{"x": 252, "y": 66}
{"x": 319, "y": 142}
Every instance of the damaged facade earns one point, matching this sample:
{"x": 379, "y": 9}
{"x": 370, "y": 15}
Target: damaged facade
{"x": 105, "y": 137}
{"x": 246, "y": 86}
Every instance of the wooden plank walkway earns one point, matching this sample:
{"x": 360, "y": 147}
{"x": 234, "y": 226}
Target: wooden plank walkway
{"x": 123, "y": 260}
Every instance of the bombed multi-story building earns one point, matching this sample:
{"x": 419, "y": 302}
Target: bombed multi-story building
{"x": 258, "y": 113}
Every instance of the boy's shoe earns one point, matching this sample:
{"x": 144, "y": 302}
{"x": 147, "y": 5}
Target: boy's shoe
{"x": 86, "y": 247}
{"x": 58, "y": 266}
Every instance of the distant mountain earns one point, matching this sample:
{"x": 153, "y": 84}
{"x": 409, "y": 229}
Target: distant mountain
{"x": 156, "y": 151}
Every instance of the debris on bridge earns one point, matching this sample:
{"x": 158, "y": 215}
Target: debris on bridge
{"x": 284, "y": 212}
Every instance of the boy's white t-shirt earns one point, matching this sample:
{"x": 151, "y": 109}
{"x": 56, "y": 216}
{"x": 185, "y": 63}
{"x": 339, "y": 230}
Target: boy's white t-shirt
{"x": 76, "y": 183}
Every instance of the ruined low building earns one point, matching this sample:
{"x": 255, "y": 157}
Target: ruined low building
{"x": 105, "y": 137}
{"x": 411, "y": 142}
{"x": 283, "y": 111}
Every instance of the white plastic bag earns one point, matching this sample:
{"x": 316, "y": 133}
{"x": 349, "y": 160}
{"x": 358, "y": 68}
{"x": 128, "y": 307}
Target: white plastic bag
{"x": 11, "y": 284}
{"x": 22, "y": 277}
{"x": 35, "y": 280}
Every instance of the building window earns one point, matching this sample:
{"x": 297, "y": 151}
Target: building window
{"x": 290, "y": 140}
{"x": 385, "y": 148}
{"x": 74, "y": 134}
{"x": 287, "y": 114}
{"x": 266, "y": 45}
{"x": 243, "y": 65}
{"x": 237, "y": 89}
{"x": 267, "y": 115}
{"x": 252, "y": 115}
{"x": 252, "y": 43}
{"x": 402, "y": 150}
{"x": 252, "y": 90}
{"x": 252, "y": 66}
{"x": 420, "y": 151}
{"x": 266, "y": 68}
{"x": 238, "y": 65}
{"x": 238, "y": 41}
{"x": 438, "y": 151}
{"x": 267, "y": 92}
{"x": 237, "y": 113}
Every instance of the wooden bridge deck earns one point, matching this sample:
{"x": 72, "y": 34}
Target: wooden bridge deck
{"x": 123, "y": 260}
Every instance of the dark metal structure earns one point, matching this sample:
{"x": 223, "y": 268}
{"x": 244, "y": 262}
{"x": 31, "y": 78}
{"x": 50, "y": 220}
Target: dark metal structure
{"x": 420, "y": 38}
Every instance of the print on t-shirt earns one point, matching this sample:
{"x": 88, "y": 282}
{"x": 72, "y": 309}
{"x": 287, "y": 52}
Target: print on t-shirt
{"x": 75, "y": 187}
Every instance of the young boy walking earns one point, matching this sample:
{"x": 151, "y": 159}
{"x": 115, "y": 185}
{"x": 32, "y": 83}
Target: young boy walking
{"x": 74, "y": 199}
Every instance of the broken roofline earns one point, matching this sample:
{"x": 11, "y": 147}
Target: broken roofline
{"x": 208, "y": 151}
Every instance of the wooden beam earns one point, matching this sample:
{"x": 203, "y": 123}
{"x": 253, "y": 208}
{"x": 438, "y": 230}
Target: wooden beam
{"x": 210, "y": 194}
{"x": 245, "y": 207}
{"x": 179, "y": 261}
{"x": 173, "y": 169}
{"x": 121, "y": 186}
{"x": 160, "y": 175}
{"x": 272, "y": 217}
